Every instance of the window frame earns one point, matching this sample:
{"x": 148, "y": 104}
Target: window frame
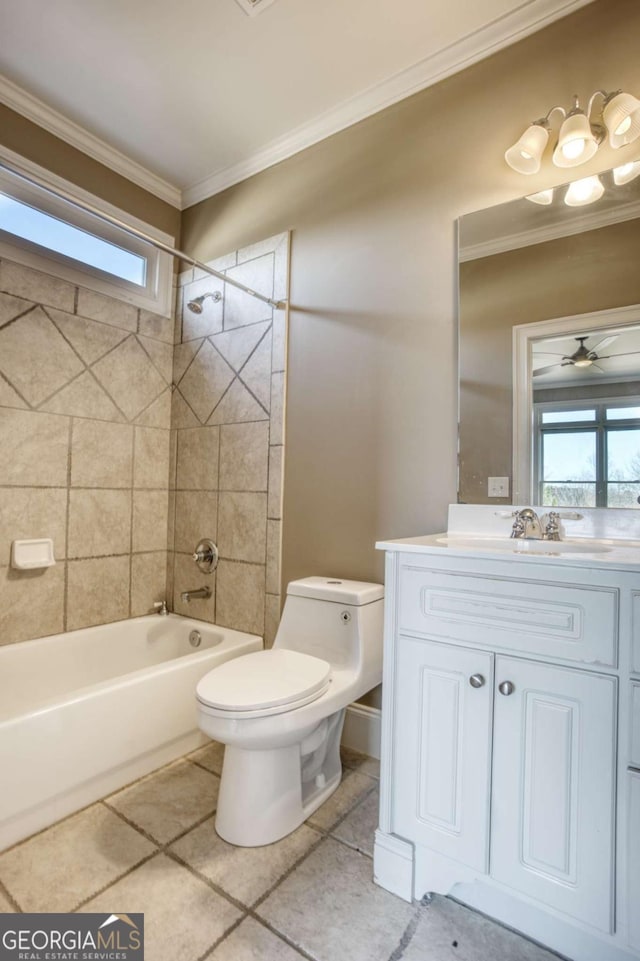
{"x": 155, "y": 296}
{"x": 600, "y": 425}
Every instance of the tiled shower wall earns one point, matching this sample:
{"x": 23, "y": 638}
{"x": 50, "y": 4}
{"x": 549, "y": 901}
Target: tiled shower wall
{"x": 227, "y": 440}
{"x": 87, "y": 456}
{"x": 85, "y": 406}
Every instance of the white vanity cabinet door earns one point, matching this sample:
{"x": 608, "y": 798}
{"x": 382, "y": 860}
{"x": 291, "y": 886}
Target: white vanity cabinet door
{"x": 442, "y": 753}
{"x": 633, "y": 855}
{"x": 553, "y": 787}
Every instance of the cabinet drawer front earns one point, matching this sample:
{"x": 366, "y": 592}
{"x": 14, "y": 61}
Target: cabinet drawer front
{"x": 533, "y": 617}
{"x": 634, "y": 760}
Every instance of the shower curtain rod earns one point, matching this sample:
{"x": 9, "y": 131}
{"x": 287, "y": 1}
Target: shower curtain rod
{"x": 110, "y": 219}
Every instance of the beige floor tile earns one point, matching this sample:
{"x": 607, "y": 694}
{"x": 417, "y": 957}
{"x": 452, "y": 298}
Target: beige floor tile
{"x": 183, "y": 917}
{"x": 352, "y": 789}
{"x": 244, "y": 873}
{"x": 252, "y": 942}
{"x": 330, "y": 907}
{"x": 210, "y": 756}
{"x": 59, "y": 868}
{"x": 360, "y": 762}
{"x": 168, "y": 802}
{"x": 448, "y": 931}
{"x": 359, "y": 827}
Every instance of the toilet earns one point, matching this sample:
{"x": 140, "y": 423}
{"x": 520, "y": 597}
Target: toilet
{"x": 280, "y": 712}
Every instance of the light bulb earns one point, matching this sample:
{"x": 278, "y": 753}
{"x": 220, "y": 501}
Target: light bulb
{"x": 623, "y": 127}
{"x": 585, "y": 362}
{"x": 573, "y": 148}
{"x": 625, "y": 173}
{"x": 542, "y": 197}
{"x": 583, "y": 192}
{"x": 525, "y": 155}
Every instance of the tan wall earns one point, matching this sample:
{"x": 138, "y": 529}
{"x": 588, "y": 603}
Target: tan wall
{"x": 595, "y": 270}
{"x": 371, "y": 422}
{"x": 38, "y": 145}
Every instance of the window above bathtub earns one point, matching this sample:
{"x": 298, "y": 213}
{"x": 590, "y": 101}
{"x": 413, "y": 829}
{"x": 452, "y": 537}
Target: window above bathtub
{"x": 53, "y": 235}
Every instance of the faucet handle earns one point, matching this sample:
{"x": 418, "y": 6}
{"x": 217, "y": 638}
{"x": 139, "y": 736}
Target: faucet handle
{"x": 161, "y": 607}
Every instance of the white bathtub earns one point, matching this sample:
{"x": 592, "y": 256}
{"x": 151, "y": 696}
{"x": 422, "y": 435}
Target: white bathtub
{"x": 84, "y": 713}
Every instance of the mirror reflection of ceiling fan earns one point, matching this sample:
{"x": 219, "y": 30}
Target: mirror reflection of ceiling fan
{"x": 585, "y": 356}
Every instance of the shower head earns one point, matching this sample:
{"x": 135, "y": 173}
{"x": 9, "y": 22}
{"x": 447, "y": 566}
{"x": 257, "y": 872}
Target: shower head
{"x": 195, "y": 305}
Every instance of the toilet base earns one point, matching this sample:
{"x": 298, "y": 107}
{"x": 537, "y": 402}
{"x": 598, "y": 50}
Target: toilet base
{"x": 264, "y": 795}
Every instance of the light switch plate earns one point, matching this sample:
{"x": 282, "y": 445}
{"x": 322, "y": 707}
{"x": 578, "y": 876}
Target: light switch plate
{"x": 498, "y": 487}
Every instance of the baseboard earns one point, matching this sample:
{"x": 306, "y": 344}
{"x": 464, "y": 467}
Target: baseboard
{"x": 361, "y": 730}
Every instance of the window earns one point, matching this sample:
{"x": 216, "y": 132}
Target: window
{"x": 54, "y": 235}
{"x": 588, "y": 454}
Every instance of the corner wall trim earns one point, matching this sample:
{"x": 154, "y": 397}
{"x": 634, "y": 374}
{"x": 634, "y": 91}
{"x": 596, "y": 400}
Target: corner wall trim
{"x": 72, "y": 133}
{"x": 529, "y": 17}
{"x": 361, "y": 730}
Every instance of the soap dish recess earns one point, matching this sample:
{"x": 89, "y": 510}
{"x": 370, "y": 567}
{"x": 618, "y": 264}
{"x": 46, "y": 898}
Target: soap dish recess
{"x": 33, "y": 554}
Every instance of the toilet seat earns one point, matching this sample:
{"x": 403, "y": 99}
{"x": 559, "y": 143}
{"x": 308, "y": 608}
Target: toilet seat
{"x": 262, "y": 683}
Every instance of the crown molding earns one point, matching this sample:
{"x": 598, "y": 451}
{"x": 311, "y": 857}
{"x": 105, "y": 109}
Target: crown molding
{"x": 72, "y": 133}
{"x": 528, "y": 18}
{"x": 540, "y": 235}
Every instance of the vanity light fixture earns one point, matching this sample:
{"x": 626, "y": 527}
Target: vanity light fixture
{"x": 626, "y": 173}
{"x": 542, "y": 197}
{"x": 580, "y": 134}
{"x": 583, "y": 192}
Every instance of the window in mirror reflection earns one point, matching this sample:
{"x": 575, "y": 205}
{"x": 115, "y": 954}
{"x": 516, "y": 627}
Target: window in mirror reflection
{"x": 588, "y": 455}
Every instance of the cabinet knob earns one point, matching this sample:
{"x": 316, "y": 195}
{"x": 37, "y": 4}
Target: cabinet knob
{"x": 506, "y": 688}
{"x": 476, "y": 680}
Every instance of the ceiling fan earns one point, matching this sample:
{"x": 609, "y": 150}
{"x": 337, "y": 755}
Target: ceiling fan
{"x": 584, "y": 356}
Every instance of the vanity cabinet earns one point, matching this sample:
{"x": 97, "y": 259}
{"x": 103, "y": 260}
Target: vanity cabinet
{"x": 511, "y": 727}
{"x": 508, "y": 766}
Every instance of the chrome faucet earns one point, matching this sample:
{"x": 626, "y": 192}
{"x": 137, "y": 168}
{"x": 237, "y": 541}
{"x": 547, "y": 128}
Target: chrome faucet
{"x": 202, "y": 592}
{"x": 527, "y": 524}
{"x": 161, "y": 608}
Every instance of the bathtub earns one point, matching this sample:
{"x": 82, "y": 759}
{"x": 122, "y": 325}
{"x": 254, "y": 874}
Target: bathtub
{"x": 86, "y": 712}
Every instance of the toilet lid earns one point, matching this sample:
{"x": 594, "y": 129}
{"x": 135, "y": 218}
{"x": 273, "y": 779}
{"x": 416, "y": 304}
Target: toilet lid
{"x": 264, "y": 679}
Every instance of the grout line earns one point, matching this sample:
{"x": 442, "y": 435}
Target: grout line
{"x": 30, "y": 407}
{"x": 10, "y": 898}
{"x": 110, "y": 884}
{"x": 407, "y": 935}
{"x": 65, "y": 595}
{"x": 34, "y": 306}
{"x": 140, "y": 339}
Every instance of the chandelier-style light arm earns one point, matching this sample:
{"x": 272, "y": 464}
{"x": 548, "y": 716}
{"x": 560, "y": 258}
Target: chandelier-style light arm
{"x": 606, "y": 97}
{"x": 548, "y": 116}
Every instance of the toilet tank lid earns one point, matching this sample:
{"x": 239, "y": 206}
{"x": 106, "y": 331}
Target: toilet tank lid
{"x": 337, "y": 589}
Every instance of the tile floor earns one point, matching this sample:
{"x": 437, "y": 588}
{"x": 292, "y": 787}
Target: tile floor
{"x": 151, "y": 847}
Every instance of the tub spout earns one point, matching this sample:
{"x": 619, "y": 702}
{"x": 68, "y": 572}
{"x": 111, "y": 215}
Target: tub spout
{"x": 203, "y": 592}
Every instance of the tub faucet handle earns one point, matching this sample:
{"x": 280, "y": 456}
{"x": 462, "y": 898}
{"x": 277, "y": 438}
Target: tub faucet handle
{"x": 206, "y": 556}
{"x": 161, "y": 608}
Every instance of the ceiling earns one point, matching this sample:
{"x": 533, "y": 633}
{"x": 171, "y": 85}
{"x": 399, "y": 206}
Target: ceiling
{"x": 188, "y": 98}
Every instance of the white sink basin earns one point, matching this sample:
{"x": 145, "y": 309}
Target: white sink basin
{"x": 513, "y": 545}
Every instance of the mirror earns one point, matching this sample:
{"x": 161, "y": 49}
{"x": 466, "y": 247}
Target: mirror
{"x": 538, "y": 282}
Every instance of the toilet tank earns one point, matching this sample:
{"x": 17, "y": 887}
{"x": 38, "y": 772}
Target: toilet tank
{"x": 335, "y": 619}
